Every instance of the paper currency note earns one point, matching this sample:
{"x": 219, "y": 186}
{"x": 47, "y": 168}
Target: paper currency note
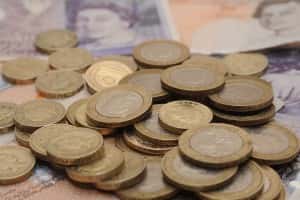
{"x": 227, "y": 26}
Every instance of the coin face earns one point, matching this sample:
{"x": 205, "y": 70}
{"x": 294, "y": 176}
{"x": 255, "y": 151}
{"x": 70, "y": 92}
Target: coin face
{"x": 24, "y": 70}
{"x": 74, "y": 59}
{"x": 191, "y": 177}
{"x": 37, "y": 113}
{"x": 235, "y": 95}
{"x": 119, "y": 106}
{"x": 250, "y": 64}
{"x": 178, "y": 116}
{"x": 71, "y": 112}
{"x": 7, "y": 113}
{"x": 17, "y": 164}
{"x": 192, "y": 80}
{"x": 22, "y": 137}
{"x": 127, "y": 60}
{"x": 106, "y": 167}
{"x": 54, "y": 40}
{"x": 150, "y": 80}
{"x": 57, "y": 84}
{"x": 215, "y": 145}
{"x": 273, "y": 143}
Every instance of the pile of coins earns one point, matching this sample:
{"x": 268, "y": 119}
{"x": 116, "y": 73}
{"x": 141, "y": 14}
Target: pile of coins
{"x": 160, "y": 122}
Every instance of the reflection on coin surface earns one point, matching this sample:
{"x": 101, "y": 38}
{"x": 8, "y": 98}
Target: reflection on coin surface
{"x": 7, "y": 113}
{"x": 127, "y": 60}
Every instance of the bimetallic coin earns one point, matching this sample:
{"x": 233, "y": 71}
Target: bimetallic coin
{"x": 59, "y": 84}
{"x": 17, "y": 164}
{"x": 37, "y": 113}
{"x": 71, "y": 112}
{"x": 273, "y": 144}
{"x": 216, "y": 145}
{"x": 24, "y": 70}
{"x": 247, "y": 184}
{"x": 250, "y": 64}
{"x": 53, "y": 40}
{"x": 106, "y": 167}
{"x": 187, "y": 176}
{"x": 178, "y": 116}
{"x": 74, "y": 59}
{"x": 22, "y": 137}
{"x": 127, "y": 60}
{"x": 7, "y": 113}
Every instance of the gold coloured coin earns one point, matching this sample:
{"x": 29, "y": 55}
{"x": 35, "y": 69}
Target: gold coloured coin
{"x": 53, "y": 40}
{"x": 190, "y": 177}
{"x": 127, "y": 60}
{"x": 74, "y": 59}
{"x": 132, "y": 173}
{"x": 152, "y": 186}
{"x": 282, "y": 194}
{"x": 273, "y": 144}
{"x": 37, "y": 113}
{"x": 106, "y": 167}
{"x": 150, "y": 80}
{"x": 121, "y": 144}
{"x": 59, "y": 84}
{"x": 71, "y": 111}
{"x": 150, "y": 130}
{"x": 7, "y": 113}
{"x": 243, "y": 94}
{"x": 17, "y": 164}
{"x": 247, "y": 184}
{"x": 22, "y": 137}
{"x": 178, "y": 116}
{"x": 246, "y": 64}
{"x": 216, "y": 145}
{"x": 24, "y": 70}
{"x": 160, "y": 53}
{"x": 119, "y": 106}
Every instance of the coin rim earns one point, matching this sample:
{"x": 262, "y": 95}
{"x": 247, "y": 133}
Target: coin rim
{"x": 127, "y": 60}
{"x": 22, "y": 137}
{"x": 70, "y": 115}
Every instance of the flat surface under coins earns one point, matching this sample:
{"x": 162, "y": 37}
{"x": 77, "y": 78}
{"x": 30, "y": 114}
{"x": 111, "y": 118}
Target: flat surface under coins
{"x": 7, "y": 113}
{"x": 127, "y": 60}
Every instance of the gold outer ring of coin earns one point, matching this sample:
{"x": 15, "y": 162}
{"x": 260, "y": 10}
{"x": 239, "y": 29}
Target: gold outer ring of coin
{"x": 265, "y": 101}
{"x": 132, "y": 173}
{"x": 137, "y": 54}
{"x": 10, "y": 156}
{"x": 115, "y": 122}
{"x": 127, "y": 60}
{"x": 196, "y": 184}
{"x": 103, "y": 168}
{"x": 72, "y": 110}
{"x": 22, "y": 138}
{"x": 250, "y": 192}
{"x": 7, "y": 112}
{"x": 199, "y": 159}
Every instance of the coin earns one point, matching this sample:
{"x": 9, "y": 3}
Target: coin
{"x": 236, "y": 95}
{"x": 75, "y": 59}
{"x": 24, "y": 70}
{"x": 77, "y": 147}
{"x": 53, "y": 40}
{"x": 17, "y": 164}
{"x": 127, "y": 60}
{"x": 119, "y": 106}
{"x": 149, "y": 129}
{"x": 178, "y": 116}
{"x": 273, "y": 144}
{"x": 7, "y": 113}
{"x": 37, "y": 113}
{"x": 247, "y": 184}
{"x": 216, "y": 145}
{"x": 105, "y": 74}
{"x": 192, "y": 80}
{"x": 121, "y": 144}
{"x": 132, "y": 173}
{"x": 187, "y": 176}
{"x": 246, "y": 64}
{"x": 22, "y": 137}
{"x": 72, "y": 111}
{"x": 150, "y": 80}
{"x": 160, "y": 53}
{"x": 106, "y": 167}
{"x": 59, "y": 84}
{"x": 152, "y": 186}
{"x": 282, "y": 194}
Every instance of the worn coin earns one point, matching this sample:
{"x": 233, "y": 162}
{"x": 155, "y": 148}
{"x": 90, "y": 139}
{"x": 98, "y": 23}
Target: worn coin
{"x": 127, "y": 60}
{"x": 7, "y": 113}
{"x": 22, "y": 137}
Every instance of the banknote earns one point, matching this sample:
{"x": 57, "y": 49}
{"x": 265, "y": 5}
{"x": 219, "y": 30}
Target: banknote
{"x": 228, "y": 26}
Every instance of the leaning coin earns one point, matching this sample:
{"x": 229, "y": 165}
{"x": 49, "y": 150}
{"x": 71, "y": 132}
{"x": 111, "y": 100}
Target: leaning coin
{"x": 187, "y": 176}
{"x": 71, "y": 111}
{"x": 160, "y": 53}
{"x": 247, "y": 184}
{"x": 202, "y": 145}
{"x": 22, "y": 137}
{"x": 152, "y": 186}
{"x": 273, "y": 144}
{"x": 37, "y": 113}
{"x": 119, "y": 106}
{"x": 74, "y": 59}
{"x": 127, "y": 60}
{"x": 54, "y": 40}
{"x": 178, "y": 116}
{"x": 7, "y": 113}
{"x": 246, "y": 64}
{"x": 59, "y": 84}
{"x": 24, "y": 70}
{"x": 17, "y": 164}
{"x": 103, "y": 168}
